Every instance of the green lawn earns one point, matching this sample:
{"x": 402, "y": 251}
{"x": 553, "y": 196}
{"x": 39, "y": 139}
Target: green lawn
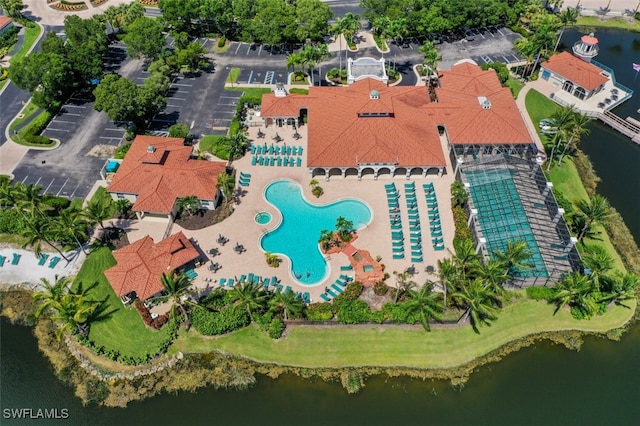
{"x": 123, "y": 330}
{"x": 19, "y": 137}
{"x": 215, "y": 144}
{"x": 515, "y": 85}
{"x": 566, "y": 178}
{"x": 378, "y": 346}
{"x": 234, "y": 73}
{"x": 250, "y": 91}
{"x": 594, "y": 21}
{"x": 27, "y": 113}
{"x": 101, "y": 193}
{"x": 30, "y": 37}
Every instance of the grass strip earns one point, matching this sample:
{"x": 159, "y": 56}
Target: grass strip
{"x": 622, "y": 23}
{"x": 379, "y": 346}
{"x": 234, "y": 73}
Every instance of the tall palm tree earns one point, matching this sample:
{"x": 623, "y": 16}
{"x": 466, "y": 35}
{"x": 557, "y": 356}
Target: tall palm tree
{"x": 52, "y": 292}
{"x": 71, "y": 224}
{"x": 29, "y": 199}
{"x": 98, "y": 210}
{"x": 312, "y": 55}
{"x": 344, "y": 228}
{"x": 238, "y": 144}
{"x": 494, "y": 273}
{"x": 37, "y": 232}
{"x": 398, "y": 29}
{"x": 575, "y": 290}
{"x": 403, "y": 282}
{"x": 293, "y": 60}
{"x": 326, "y": 239}
{"x": 480, "y": 303}
{"x": 249, "y": 297}
{"x": 448, "y": 274}
{"x": 567, "y": 17}
{"x": 562, "y": 120}
{"x": 624, "y": 288}
{"x": 287, "y": 303}
{"x": 431, "y": 58}
{"x": 426, "y": 303}
{"x": 175, "y": 286}
{"x": 599, "y": 262}
{"x": 515, "y": 257}
{"x": 459, "y": 194}
{"x": 347, "y": 27}
{"x": 578, "y": 129}
{"x": 595, "y": 211}
{"x": 465, "y": 257}
{"x": 226, "y": 184}
{"x": 381, "y": 26}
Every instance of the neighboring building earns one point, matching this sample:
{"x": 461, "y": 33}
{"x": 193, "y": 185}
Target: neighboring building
{"x": 575, "y": 76}
{"x": 6, "y": 24}
{"x": 369, "y": 129}
{"x": 140, "y": 265}
{"x": 157, "y": 171}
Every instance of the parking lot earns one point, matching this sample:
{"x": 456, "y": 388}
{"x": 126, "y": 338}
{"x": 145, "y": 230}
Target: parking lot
{"x": 253, "y": 50}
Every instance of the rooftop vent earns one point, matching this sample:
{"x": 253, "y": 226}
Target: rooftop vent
{"x": 374, "y": 94}
{"x": 484, "y": 102}
{"x": 151, "y": 149}
{"x": 280, "y": 91}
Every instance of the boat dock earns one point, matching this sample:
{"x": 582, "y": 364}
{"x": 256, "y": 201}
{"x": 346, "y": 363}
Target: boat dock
{"x": 629, "y": 127}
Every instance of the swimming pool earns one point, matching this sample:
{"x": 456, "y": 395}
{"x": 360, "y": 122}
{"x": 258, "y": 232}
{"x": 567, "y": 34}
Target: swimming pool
{"x": 262, "y": 218}
{"x": 297, "y": 235}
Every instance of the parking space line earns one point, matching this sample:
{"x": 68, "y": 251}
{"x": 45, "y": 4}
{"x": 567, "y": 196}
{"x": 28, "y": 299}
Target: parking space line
{"x": 182, "y": 84}
{"x": 248, "y": 48}
{"x": 505, "y": 59}
{"x": 237, "y": 48}
{"x": 62, "y": 121}
{"x": 56, "y": 130}
{"x": 112, "y": 128}
{"x": 177, "y": 99}
{"x": 107, "y": 137}
{"x": 38, "y": 181}
{"x": 63, "y": 185}
{"x": 50, "y": 183}
{"x": 492, "y": 35}
{"x": 501, "y": 33}
{"x": 517, "y": 59}
{"x": 74, "y": 191}
{"x": 205, "y": 42}
{"x": 260, "y": 50}
{"x": 70, "y": 113}
{"x": 163, "y": 120}
{"x": 73, "y": 106}
{"x": 174, "y": 106}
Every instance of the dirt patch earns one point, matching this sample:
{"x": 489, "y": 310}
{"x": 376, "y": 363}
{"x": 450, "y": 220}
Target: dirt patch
{"x": 204, "y": 218}
{"x": 101, "y": 151}
{"x": 374, "y": 301}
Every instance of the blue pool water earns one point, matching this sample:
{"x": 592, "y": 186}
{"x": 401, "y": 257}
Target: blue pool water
{"x": 297, "y": 235}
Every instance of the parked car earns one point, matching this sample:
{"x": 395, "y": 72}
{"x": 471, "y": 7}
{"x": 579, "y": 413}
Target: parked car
{"x": 469, "y": 36}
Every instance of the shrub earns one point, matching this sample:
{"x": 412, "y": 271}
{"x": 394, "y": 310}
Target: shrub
{"x": 298, "y": 91}
{"x": 9, "y": 37}
{"x": 179, "y": 130}
{"x": 563, "y": 202}
{"x": 319, "y": 311}
{"x": 11, "y": 221}
{"x": 380, "y": 288}
{"x": 353, "y": 311}
{"x": 213, "y": 323}
{"x": 121, "y": 151}
{"x": 276, "y": 328}
{"x": 352, "y": 291}
{"x": 501, "y": 70}
{"x": 540, "y": 293}
{"x": 57, "y": 203}
{"x": 398, "y": 313}
{"x": 460, "y": 220}
{"x": 221, "y": 41}
{"x": 317, "y": 191}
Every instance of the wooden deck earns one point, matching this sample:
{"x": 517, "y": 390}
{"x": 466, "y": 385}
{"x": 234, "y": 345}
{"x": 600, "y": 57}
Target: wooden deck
{"x": 627, "y": 127}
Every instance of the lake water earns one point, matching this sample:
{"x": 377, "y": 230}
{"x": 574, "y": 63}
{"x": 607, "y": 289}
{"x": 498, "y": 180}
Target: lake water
{"x": 545, "y": 384}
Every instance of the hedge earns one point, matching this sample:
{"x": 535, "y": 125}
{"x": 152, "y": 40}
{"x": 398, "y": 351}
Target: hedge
{"x": 212, "y": 323}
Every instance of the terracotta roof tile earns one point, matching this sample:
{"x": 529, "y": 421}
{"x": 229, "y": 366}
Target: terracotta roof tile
{"x": 158, "y": 178}
{"x": 141, "y": 264}
{"x": 4, "y": 20}
{"x": 346, "y": 127}
{"x": 575, "y": 69}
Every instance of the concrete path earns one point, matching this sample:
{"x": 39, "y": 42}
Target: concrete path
{"x": 531, "y": 127}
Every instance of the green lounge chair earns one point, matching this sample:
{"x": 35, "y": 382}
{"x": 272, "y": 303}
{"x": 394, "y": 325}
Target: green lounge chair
{"x": 347, "y": 278}
{"x": 16, "y": 258}
{"x": 336, "y": 288}
{"x": 341, "y": 283}
{"x": 299, "y": 162}
{"x": 398, "y": 249}
{"x": 416, "y": 253}
{"x": 279, "y": 288}
{"x": 230, "y": 282}
{"x": 397, "y": 243}
{"x": 438, "y": 247}
{"x": 274, "y": 280}
{"x": 222, "y": 282}
{"x": 2, "y": 259}
{"x": 299, "y": 150}
{"x": 346, "y": 268}
{"x": 43, "y": 259}
{"x": 243, "y": 278}
{"x": 332, "y": 293}
{"x": 53, "y": 262}
{"x": 417, "y": 259}
{"x": 398, "y": 256}
{"x": 306, "y": 297}
{"x": 279, "y": 161}
{"x": 325, "y": 298}
{"x": 288, "y": 289}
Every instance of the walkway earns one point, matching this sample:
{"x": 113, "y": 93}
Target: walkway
{"x": 531, "y": 127}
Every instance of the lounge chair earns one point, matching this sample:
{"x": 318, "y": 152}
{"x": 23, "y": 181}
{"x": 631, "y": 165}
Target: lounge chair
{"x": 398, "y": 249}
{"x": 43, "y": 259}
{"x": 222, "y": 282}
{"x": 279, "y": 288}
{"x": 396, "y": 226}
{"x": 230, "y": 282}
{"x": 16, "y": 258}
{"x": 417, "y": 259}
{"x": 299, "y": 162}
{"x": 332, "y": 293}
{"x": 397, "y": 243}
{"x": 346, "y": 268}
{"x": 346, "y": 277}
{"x": 274, "y": 280}
{"x": 53, "y": 262}
{"x": 250, "y": 277}
{"x": 436, "y": 233}
{"x": 325, "y": 298}
{"x": 265, "y": 283}
{"x": 279, "y": 161}
{"x": 417, "y": 246}
{"x": 288, "y": 289}
{"x": 414, "y": 228}
{"x": 254, "y": 160}
{"x": 243, "y": 278}
{"x": 416, "y": 253}
{"x": 299, "y": 150}
{"x": 295, "y": 151}
{"x": 438, "y": 247}
{"x": 336, "y": 288}
{"x": 2, "y": 260}
{"x": 398, "y": 256}
{"x": 306, "y": 297}
{"x": 341, "y": 283}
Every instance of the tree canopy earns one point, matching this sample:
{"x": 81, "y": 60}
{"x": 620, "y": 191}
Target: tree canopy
{"x": 144, "y": 37}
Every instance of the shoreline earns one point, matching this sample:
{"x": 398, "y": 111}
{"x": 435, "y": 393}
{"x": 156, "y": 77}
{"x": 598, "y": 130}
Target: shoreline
{"x": 226, "y": 369}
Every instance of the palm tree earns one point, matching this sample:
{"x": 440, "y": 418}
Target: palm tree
{"x": 293, "y": 60}
{"x": 431, "y": 59}
{"x": 578, "y": 129}
{"x": 465, "y": 257}
{"x": 287, "y": 303}
{"x": 595, "y": 211}
{"x": 562, "y": 119}
{"x": 98, "y": 210}
{"x": 52, "y": 292}
{"x": 226, "y": 184}
{"x": 189, "y": 203}
{"x": 459, "y": 194}
{"x": 249, "y": 297}
{"x": 37, "y": 232}
{"x": 426, "y": 303}
{"x": 123, "y": 207}
{"x": 326, "y": 239}
{"x": 312, "y": 55}
{"x": 515, "y": 257}
{"x": 398, "y": 30}
{"x": 238, "y": 144}
{"x": 567, "y": 17}
{"x": 344, "y": 228}
{"x": 403, "y": 282}
{"x": 175, "y": 286}
{"x": 494, "y": 273}
{"x": 71, "y": 224}
{"x": 480, "y": 302}
{"x": 448, "y": 275}
{"x": 599, "y": 263}
{"x": 29, "y": 199}
{"x": 272, "y": 259}
{"x": 575, "y": 290}
{"x": 346, "y": 26}
{"x": 623, "y": 288}
{"x": 381, "y": 26}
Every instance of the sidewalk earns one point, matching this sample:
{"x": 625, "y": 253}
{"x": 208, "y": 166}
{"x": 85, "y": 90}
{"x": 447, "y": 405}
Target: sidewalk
{"x": 531, "y": 127}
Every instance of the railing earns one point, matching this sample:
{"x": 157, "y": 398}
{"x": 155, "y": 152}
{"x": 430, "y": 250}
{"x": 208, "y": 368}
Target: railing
{"x": 613, "y": 79}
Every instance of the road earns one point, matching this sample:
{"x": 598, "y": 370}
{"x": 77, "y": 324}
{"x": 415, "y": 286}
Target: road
{"x": 13, "y": 99}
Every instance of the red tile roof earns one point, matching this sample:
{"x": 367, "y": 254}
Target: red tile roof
{"x": 141, "y": 264}
{"x": 4, "y": 20}
{"x": 158, "y": 177}
{"x": 575, "y": 69}
{"x": 346, "y": 127}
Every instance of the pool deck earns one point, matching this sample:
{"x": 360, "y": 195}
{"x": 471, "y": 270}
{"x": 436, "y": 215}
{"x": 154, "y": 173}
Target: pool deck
{"x": 241, "y": 228}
